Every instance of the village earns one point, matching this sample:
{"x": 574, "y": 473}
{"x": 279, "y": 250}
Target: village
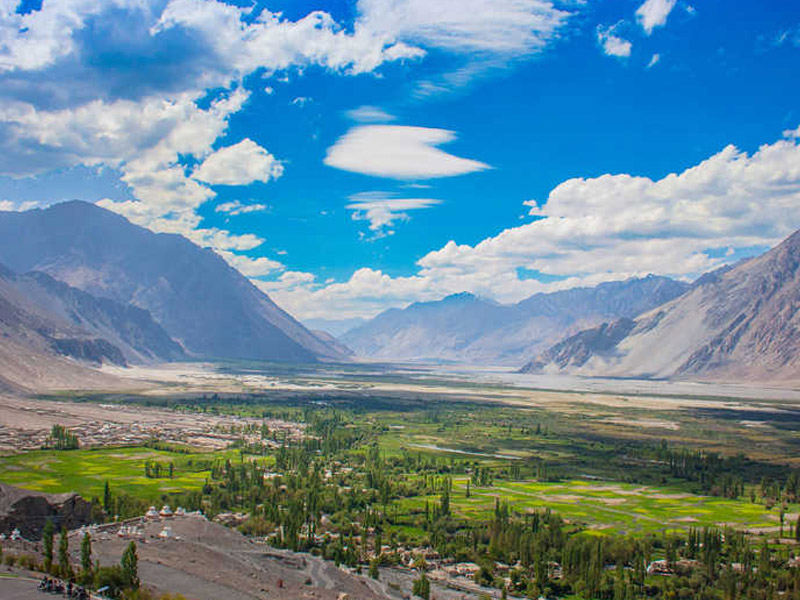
{"x": 26, "y": 424}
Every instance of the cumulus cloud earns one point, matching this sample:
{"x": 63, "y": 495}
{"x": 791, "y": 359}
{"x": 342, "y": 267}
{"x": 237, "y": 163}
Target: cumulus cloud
{"x": 612, "y": 44}
{"x": 251, "y": 267}
{"x": 594, "y": 230}
{"x": 399, "y": 152}
{"x": 242, "y": 42}
{"x": 240, "y": 164}
{"x": 11, "y": 206}
{"x": 382, "y": 210}
{"x": 39, "y": 38}
{"x": 654, "y": 13}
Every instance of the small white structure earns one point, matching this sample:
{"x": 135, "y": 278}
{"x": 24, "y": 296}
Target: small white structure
{"x": 166, "y": 533}
{"x": 166, "y": 511}
{"x": 180, "y": 512}
{"x": 151, "y": 513}
{"x": 16, "y": 535}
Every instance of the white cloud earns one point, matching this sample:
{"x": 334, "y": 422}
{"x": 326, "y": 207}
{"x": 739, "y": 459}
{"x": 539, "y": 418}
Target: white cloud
{"x": 382, "y": 209}
{"x": 243, "y": 44}
{"x": 654, "y": 13}
{"x": 11, "y": 206}
{"x": 369, "y": 114}
{"x": 654, "y": 60}
{"x": 240, "y": 164}
{"x": 237, "y": 208}
{"x": 251, "y": 267}
{"x": 39, "y": 38}
{"x": 612, "y": 44}
{"x": 484, "y": 35}
{"x": 466, "y": 26}
{"x": 398, "y": 152}
{"x": 792, "y": 133}
{"x": 593, "y": 230}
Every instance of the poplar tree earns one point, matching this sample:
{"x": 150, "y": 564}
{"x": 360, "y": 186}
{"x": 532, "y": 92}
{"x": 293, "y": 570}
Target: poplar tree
{"x": 86, "y": 554}
{"x": 47, "y": 541}
{"x": 63, "y": 555}
{"x": 130, "y": 566}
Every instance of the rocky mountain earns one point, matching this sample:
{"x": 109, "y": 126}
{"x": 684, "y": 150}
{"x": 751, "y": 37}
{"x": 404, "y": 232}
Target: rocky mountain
{"x": 28, "y": 324}
{"x": 27, "y": 367}
{"x": 333, "y": 342}
{"x": 201, "y": 302}
{"x": 741, "y": 322}
{"x": 40, "y": 350}
{"x": 128, "y": 333}
{"x": 466, "y": 328}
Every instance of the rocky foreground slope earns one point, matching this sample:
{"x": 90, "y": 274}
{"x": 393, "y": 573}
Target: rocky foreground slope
{"x": 741, "y": 322}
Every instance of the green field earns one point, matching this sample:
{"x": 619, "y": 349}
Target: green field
{"x": 618, "y": 507}
{"x": 86, "y": 471}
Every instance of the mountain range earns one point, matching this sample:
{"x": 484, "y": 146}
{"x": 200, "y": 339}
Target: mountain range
{"x": 192, "y": 296}
{"x": 466, "y": 328}
{"x": 740, "y": 322}
{"x": 80, "y": 285}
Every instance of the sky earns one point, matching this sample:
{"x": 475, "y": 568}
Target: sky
{"x": 354, "y": 155}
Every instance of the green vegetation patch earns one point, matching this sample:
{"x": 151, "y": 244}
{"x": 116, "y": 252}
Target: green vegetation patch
{"x": 85, "y": 471}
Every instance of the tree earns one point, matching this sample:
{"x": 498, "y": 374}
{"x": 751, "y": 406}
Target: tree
{"x": 47, "y": 541}
{"x": 107, "y": 498}
{"x": 86, "y": 556}
{"x": 373, "y": 569}
{"x": 130, "y": 566}
{"x": 65, "y": 569}
{"x": 422, "y": 587}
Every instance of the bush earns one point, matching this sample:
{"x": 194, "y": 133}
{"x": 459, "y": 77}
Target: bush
{"x": 113, "y": 577}
{"x": 30, "y": 562}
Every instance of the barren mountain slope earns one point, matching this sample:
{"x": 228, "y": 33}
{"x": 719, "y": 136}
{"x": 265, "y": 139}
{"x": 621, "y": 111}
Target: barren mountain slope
{"x": 463, "y": 327}
{"x": 202, "y": 302}
{"x": 130, "y": 329}
{"x": 742, "y": 322}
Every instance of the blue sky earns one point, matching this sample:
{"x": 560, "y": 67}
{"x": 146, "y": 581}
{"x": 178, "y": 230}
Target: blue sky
{"x": 352, "y": 156}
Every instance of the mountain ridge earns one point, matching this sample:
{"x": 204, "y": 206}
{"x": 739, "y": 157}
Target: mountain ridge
{"x": 741, "y": 321}
{"x": 206, "y": 305}
{"x": 464, "y": 327}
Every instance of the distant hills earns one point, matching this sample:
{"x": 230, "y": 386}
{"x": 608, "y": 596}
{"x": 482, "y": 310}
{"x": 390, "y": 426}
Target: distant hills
{"x": 147, "y": 294}
{"x": 466, "y": 328}
{"x": 740, "y": 322}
